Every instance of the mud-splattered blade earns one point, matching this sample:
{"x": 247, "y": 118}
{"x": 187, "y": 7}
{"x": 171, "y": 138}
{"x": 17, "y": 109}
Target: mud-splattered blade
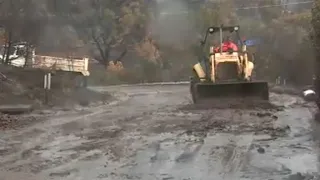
{"x": 233, "y": 89}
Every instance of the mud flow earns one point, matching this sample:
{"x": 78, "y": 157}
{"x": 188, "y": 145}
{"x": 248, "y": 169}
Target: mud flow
{"x": 154, "y": 132}
{"x": 232, "y": 103}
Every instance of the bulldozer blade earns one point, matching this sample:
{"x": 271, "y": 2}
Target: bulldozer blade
{"x": 258, "y": 90}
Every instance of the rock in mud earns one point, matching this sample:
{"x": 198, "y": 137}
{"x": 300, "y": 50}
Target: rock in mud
{"x": 263, "y": 114}
{"x": 261, "y": 150}
{"x": 299, "y": 176}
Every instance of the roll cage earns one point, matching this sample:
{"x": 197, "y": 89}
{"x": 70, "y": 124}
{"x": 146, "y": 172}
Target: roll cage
{"x": 220, "y": 30}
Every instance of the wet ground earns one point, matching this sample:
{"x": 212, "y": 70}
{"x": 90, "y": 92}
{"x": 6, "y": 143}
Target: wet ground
{"x": 152, "y": 132}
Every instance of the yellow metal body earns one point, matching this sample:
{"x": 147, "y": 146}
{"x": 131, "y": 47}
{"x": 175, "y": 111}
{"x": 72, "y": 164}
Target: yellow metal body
{"x": 199, "y": 71}
{"x": 245, "y": 67}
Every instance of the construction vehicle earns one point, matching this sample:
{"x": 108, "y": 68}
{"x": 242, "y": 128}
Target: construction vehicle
{"x": 225, "y": 74}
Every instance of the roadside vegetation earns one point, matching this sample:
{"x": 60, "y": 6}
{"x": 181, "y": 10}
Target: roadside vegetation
{"x": 137, "y": 41}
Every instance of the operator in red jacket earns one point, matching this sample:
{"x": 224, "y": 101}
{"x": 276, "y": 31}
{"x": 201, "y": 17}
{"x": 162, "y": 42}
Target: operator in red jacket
{"x": 226, "y": 45}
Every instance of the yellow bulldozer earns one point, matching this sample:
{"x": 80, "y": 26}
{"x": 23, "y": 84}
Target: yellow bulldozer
{"x": 225, "y": 73}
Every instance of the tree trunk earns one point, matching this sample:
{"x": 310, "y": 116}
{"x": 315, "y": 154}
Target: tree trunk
{"x": 27, "y": 56}
{"x": 8, "y": 45}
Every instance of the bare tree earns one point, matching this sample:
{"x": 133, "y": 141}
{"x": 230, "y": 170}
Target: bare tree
{"x": 109, "y": 25}
{"x": 315, "y": 21}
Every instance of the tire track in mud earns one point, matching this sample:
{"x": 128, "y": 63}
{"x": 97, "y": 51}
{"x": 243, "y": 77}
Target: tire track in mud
{"x": 51, "y": 127}
{"x": 233, "y": 167}
{"x": 148, "y": 136}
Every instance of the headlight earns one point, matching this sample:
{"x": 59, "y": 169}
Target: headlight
{"x": 236, "y": 28}
{"x": 211, "y": 30}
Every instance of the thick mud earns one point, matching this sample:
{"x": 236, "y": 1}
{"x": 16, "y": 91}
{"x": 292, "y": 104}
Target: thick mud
{"x": 152, "y": 132}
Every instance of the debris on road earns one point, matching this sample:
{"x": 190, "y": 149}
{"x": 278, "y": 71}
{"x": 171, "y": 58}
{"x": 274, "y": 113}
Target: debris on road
{"x": 16, "y": 121}
{"x": 16, "y": 109}
{"x": 261, "y": 150}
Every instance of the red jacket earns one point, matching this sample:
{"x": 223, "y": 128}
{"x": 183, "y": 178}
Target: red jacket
{"x": 226, "y": 46}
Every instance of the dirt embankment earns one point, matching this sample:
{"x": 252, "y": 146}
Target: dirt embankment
{"x": 20, "y": 86}
{"x": 25, "y": 86}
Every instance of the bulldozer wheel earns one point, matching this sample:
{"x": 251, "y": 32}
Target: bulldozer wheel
{"x": 193, "y": 92}
{"x": 253, "y": 75}
{"x": 195, "y": 79}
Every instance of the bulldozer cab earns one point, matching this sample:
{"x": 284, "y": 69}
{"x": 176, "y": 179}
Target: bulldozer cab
{"x": 216, "y": 37}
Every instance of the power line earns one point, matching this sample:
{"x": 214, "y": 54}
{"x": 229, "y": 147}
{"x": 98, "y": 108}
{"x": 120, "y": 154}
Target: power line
{"x": 275, "y": 5}
{"x": 261, "y": 1}
{"x": 248, "y": 7}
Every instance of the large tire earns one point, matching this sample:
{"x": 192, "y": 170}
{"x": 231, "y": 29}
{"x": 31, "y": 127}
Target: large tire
{"x": 193, "y": 90}
{"x": 253, "y": 76}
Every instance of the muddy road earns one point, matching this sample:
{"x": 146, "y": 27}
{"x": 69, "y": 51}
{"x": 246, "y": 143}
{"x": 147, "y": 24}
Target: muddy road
{"x": 152, "y": 132}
